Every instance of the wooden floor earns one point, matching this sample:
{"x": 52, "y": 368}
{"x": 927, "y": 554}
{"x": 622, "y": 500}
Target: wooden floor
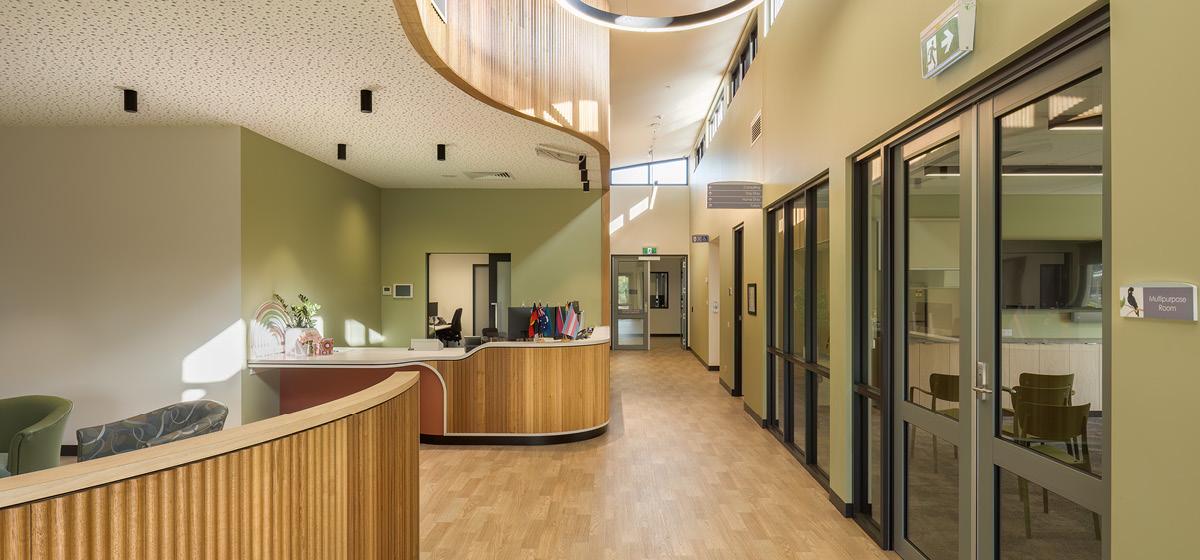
{"x": 682, "y": 473}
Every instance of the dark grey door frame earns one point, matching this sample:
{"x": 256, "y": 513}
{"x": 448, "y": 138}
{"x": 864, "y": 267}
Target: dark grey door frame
{"x": 739, "y": 261}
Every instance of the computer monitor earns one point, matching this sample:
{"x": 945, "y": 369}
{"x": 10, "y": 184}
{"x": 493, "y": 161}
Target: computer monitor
{"x": 432, "y": 310}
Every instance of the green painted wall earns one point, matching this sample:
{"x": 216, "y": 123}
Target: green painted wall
{"x": 553, "y": 236}
{"x": 307, "y": 228}
{"x": 1154, "y": 228}
{"x": 832, "y": 77}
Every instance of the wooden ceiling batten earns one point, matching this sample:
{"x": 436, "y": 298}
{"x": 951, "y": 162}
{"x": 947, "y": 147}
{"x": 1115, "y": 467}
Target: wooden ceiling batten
{"x": 529, "y": 58}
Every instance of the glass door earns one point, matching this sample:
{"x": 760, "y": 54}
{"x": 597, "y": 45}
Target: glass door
{"x": 631, "y": 295}
{"x": 932, "y": 428}
{"x": 1044, "y": 300}
{"x": 1000, "y": 248}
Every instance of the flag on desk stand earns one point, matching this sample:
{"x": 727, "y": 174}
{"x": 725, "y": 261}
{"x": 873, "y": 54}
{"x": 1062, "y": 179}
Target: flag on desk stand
{"x": 558, "y": 321}
{"x": 571, "y": 326}
{"x": 533, "y": 318}
{"x": 544, "y": 322}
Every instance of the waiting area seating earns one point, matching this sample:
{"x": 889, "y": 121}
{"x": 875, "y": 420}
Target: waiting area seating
{"x": 33, "y": 426}
{"x": 170, "y": 423}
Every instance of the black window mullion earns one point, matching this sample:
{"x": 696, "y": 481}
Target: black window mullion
{"x": 787, "y": 345}
{"x": 810, "y": 319}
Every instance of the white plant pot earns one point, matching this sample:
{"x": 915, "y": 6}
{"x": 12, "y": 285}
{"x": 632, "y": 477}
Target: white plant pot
{"x": 294, "y": 338}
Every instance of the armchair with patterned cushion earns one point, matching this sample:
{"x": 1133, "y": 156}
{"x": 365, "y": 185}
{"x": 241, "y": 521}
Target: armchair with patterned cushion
{"x": 170, "y": 423}
{"x": 31, "y": 431}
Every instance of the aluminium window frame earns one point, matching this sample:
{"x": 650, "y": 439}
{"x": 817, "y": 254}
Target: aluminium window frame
{"x": 799, "y": 369}
{"x": 687, "y": 170}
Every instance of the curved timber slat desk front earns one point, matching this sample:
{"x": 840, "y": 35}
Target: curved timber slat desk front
{"x": 511, "y": 393}
{"x": 336, "y": 481}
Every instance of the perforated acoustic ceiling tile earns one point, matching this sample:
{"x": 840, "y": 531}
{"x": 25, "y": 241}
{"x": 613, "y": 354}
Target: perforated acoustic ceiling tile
{"x": 290, "y": 70}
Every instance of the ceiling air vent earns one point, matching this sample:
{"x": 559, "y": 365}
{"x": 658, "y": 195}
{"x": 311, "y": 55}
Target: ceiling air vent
{"x": 489, "y": 175}
{"x": 756, "y": 128}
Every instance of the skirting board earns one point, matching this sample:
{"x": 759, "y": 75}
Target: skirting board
{"x": 514, "y": 439}
{"x": 757, "y": 419}
{"x": 842, "y": 507}
{"x": 701, "y": 360}
{"x": 728, "y": 389}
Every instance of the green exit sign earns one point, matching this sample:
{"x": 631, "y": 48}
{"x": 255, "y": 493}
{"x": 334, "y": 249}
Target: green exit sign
{"x": 948, "y": 39}
{"x": 649, "y": 250}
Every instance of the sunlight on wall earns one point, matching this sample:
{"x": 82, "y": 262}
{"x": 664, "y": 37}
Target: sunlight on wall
{"x": 564, "y": 110}
{"x": 589, "y": 116}
{"x": 356, "y": 333}
{"x": 637, "y": 209}
{"x": 192, "y": 395}
{"x": 219, "y": 359}
{"x": 319, "y": 324}
{"x": 616, "y": 224}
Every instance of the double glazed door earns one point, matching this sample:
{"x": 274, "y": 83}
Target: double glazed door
{"x": 1001, "y": 309}
{"x": 631, "y": 298}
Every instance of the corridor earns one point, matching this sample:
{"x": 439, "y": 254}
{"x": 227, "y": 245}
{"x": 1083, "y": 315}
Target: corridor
{"x": 683, "y": 472}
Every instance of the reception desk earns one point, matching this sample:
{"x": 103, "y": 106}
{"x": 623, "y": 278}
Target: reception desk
{"x": 508, "y": 393}
{"x": 338, "y": 480}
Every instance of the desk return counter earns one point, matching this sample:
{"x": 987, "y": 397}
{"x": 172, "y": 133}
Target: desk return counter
{"x": 508, "y": 393}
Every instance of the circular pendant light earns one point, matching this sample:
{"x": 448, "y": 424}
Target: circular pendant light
{"x": 647, "y": 24}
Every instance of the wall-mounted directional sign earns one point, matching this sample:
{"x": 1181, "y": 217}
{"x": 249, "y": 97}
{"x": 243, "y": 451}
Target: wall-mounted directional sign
{"x": 949, "y": 38}
{"x": 735, "y": 194}
{"x": 700, "y": 238}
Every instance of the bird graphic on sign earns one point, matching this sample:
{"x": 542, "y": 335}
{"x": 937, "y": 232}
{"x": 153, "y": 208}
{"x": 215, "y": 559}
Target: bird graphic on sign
{"x": 1131, "y": 304}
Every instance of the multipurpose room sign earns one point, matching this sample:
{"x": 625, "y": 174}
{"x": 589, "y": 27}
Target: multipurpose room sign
{"x": 949, "y": 38}
{"x": 1174, "y": 301}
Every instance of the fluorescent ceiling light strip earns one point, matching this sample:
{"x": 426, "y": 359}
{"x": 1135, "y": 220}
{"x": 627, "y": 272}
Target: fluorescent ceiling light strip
{"x": 644, "y": 24}
{"x": 1053, "y": 174}
{"x": 1025, "y": 175}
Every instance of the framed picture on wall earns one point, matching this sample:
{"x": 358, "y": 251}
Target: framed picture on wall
{"x": 752, "y": 299}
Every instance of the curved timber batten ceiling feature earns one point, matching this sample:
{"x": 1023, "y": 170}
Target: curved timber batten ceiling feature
{"x": 531, "y": 58}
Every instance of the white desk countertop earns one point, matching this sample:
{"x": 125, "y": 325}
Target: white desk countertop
{"x": 383, "y": 357}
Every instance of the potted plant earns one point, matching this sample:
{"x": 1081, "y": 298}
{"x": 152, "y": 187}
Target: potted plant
{"x": 301, "y": 337}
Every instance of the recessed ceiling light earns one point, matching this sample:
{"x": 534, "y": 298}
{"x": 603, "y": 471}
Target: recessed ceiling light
{"x": 365, "y": 101}
{"x": 130, "y": 100}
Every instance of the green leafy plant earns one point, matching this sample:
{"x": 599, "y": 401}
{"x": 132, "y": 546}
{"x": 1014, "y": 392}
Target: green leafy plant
{"x": 300, "y": 316}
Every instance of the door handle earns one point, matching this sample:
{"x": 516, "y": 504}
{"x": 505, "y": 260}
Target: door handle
{"x": 980, "y": 387}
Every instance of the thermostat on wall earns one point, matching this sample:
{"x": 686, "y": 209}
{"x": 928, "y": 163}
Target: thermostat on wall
{"x": 402, "y": 291}
{"x": 387, "y": 290}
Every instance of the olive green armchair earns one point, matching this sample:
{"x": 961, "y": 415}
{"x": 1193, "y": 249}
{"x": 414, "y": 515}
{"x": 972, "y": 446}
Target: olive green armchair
{"x": 33, "y": 428}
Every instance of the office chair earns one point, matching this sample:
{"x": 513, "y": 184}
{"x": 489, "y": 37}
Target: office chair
{"x": 454, "y": 333}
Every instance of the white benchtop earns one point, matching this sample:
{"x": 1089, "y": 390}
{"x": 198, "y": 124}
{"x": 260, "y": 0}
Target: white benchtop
{"x": 384, "y": 357}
